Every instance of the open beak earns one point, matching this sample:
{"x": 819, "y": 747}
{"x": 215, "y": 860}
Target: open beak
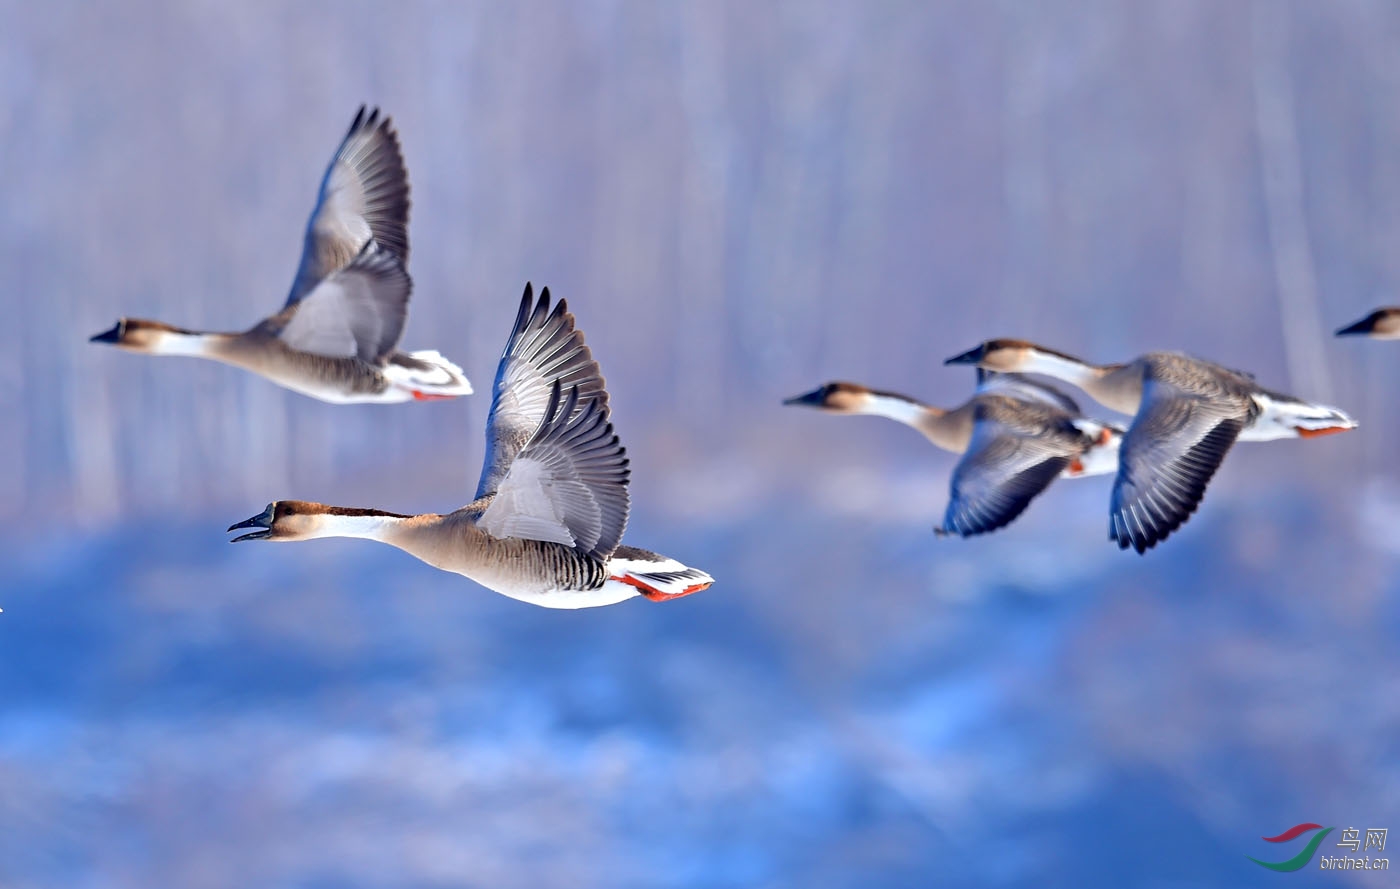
{"x": 815, "y": 398}
{"x": 1360, "y": 328}
{"x": 112, "y": 336}
{"x": 262, "y": 520}
{"x": 971, "y": 356}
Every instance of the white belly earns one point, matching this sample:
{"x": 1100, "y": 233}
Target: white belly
{"x": 333, "y": 395}
{"x": 609, "y": 593}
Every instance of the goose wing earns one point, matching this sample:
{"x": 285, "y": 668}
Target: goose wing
{"x": 1184, "y": 427}
{"x": 1009, "y": 460}
{"x": 1022, "y": 387}
{"x": 568, "y": 485}
{"x": 545, "y": 346}
{"x": 358, "y": 310}
{"x": 363, "y": 196}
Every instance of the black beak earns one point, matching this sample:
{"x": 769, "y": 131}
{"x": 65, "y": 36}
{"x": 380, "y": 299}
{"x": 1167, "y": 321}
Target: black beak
{"x": 971, "y": 356}
{"x": 815, "y": 398}
{"x": 262, "y": 520}
{"x": 1364, "y": 326}
{"x": 108, "y": 336}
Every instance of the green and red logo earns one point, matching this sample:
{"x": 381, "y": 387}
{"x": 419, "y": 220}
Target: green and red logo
{"x": 1299, "y": 861}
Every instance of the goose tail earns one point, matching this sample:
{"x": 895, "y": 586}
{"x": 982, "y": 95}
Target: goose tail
{"x": 426, "y": 375}
{"x": 655, "y": 576}
{"x": 1283, "y": 417}
{"x": 1100, "y": 456}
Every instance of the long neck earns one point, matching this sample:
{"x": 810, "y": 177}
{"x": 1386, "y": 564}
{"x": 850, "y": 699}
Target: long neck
{"x": 370, "y": 524}
{"x": 896, "y": 407}
{"x": 1118, "y": 386}
{"x": 1062, "y": 367}
{"x": 456, "y": 548}
{"x": 949, "y": 430}
{"x": 191, "y": 344}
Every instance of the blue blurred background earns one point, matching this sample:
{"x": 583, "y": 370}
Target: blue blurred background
{"x": 739, "y": 201}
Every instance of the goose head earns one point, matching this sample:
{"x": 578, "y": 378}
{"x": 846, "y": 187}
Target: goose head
{"x": 1004, "y": 355}
{"x": 835, "y": 397}
{"x": 1382, "y": 324}
{"x": 284, "y": 520}
{"x": 137, "y": 335}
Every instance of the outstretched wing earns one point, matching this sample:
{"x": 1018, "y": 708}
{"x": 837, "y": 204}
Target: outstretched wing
{"x": 544, "y": 347}
{"x": 358, "y": 310}
{"x": 568, "y": 485}
{"x": 1001, "y": 472}
{"x": 364, "y": 195}
{"x": 1176, "y": 443}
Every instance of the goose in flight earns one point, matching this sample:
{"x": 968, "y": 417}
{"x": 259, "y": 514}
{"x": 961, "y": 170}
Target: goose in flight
{"x": 337, "y": 337}
{"x": 1187, "y": 414}
{"x": 1382, "y": 324}
{"x": 546, "y": 524}
{"x": 1016, "y": 437}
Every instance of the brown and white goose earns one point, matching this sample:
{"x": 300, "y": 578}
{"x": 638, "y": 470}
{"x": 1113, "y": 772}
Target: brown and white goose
{"x": 1187, "y": 414}
{"x": 337, "y": 337}
{"x": 546, "y": 524}
{"x": 1016, "y": 437}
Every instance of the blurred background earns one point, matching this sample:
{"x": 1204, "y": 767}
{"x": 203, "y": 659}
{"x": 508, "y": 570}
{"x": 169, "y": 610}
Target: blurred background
{"x": 739, "y": 201}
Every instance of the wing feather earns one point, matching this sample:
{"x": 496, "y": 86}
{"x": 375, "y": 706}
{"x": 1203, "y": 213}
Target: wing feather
{"x": 363, "y": 196}
{"x": 1003, "y": 470}
{"x": 1023, "y": 387}
{"x": 568, "y": 485}
{"x": 1170, "y": 453}
{"x": 358, "y": 311}
{"x": 545, "y": 347}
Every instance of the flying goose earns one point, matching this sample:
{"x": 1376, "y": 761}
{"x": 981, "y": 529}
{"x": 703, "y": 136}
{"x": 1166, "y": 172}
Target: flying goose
{"x": 337, "y": 337}
{"x": 1382, "y": 324}
{"x": 546, "y": 524}
{"x": 1187, "y": 413}
{"x": 1016, "y": 437}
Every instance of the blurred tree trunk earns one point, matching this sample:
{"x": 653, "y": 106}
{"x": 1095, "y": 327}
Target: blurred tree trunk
{"x": 1281, "y": 166}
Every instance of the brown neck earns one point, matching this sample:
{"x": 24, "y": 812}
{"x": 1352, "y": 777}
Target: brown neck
{"x": 1116, "y": 386}
{"x": 949, "y": 430}
{"x": 190, "y": 343}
